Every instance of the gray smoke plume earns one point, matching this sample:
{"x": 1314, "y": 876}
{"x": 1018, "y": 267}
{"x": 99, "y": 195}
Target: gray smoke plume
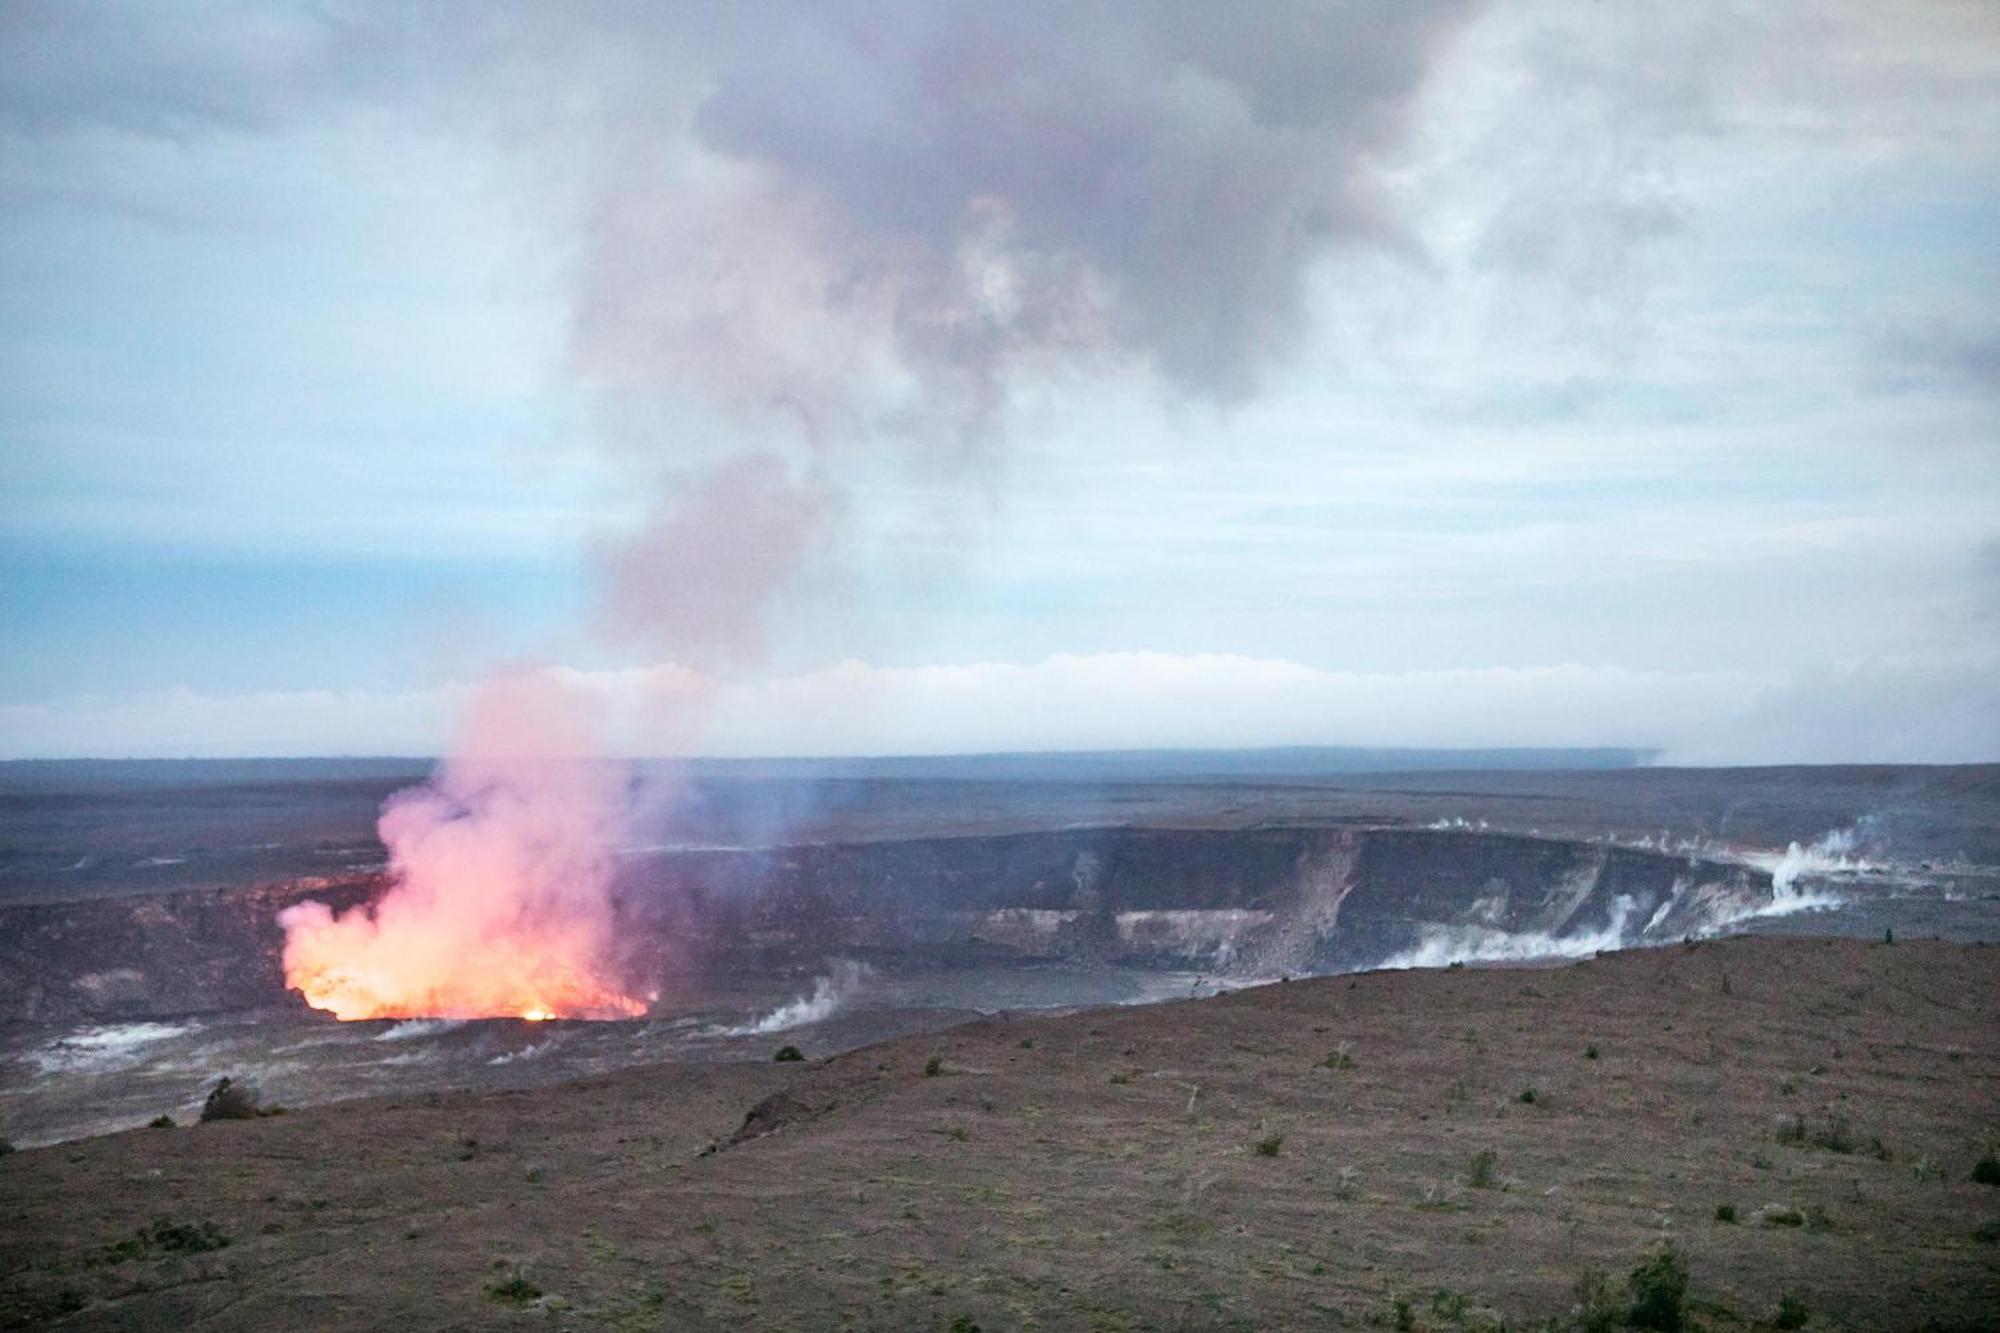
{"x": 874, "y": 223}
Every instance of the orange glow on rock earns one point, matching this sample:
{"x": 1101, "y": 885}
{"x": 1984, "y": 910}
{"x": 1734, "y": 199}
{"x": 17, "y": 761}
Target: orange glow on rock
{"x": 499, "y": 903}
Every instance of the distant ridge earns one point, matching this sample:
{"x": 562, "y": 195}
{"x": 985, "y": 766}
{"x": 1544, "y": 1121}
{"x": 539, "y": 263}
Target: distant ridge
{"x": 1291, "y": 761}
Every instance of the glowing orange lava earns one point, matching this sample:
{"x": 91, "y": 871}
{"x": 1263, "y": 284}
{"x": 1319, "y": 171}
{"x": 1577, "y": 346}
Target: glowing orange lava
{"x": 355, "y": 967}
{"x": 499, "y": 902}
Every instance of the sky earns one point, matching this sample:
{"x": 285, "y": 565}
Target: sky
{"x": 836, "y": 378}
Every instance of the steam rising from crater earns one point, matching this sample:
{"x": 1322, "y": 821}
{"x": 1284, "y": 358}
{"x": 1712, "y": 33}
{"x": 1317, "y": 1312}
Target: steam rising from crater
{"x": 862, "y": 238}
{"x": 501, "y": 866}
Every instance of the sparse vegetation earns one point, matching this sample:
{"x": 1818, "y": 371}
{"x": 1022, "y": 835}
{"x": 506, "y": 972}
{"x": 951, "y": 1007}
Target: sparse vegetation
{"x": 1831, "y": 1132}
{"x": 230, "y": 1100}
{"x": 1987, "y": 1232}
{"x": 1777, "y": 1215}
{"x": 163, "y": 1235}
{"x": 1270, "y": 1145}
{"x": 514, "y": 1289}
{"x": 1339, "y": 1059}
{"x": 1480, "y": 1174}
{"x": 963, "y": 1324}
{"x": 160, "y": 1122}
{"x": 788, "y": 1054}
{"x": 1725, "y": 1212}
{"x": 934, "y": 1066}
{"x": 1659, "y": 1292}
{"x": 1791, "y": 1313}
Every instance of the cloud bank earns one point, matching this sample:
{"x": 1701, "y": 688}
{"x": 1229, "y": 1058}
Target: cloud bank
{"x": 1895, "y": 710}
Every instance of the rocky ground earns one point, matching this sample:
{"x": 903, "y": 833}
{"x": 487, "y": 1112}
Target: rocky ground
{"x": 1427, "y": 1150}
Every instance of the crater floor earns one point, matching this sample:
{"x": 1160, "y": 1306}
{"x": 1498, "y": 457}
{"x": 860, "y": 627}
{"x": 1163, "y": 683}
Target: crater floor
{"x": 1103, "y": 1169}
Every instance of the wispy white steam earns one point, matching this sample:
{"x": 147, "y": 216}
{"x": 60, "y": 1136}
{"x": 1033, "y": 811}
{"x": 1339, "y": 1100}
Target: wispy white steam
{"x": 830, "y": 993}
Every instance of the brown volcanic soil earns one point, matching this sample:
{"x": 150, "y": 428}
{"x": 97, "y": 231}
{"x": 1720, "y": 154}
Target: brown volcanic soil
{"x": 1099, "y": 1170}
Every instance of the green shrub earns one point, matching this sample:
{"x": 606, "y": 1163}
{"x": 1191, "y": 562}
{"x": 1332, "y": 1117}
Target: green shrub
{"x": 6, "y": 1146}
{"x": 1791, "y": 1313}
{"x": 1725, "y": 1212}
{"x": 1527, "y": 1097}
{"x": 514, "y": 1290}
{"x": 1270, "y": 1145}
{"x": 1480, "y": 1174}
{"x": 1986, "y": 1171}
{"x": 164, "y": 1235}
{"x": 1339, "y": 1059}
{"x": 1987, "y": 1232}
{"x": 934, "y": 1066}
{"x": 160, "y": 1122}
{"x": 786, "y": 1054}
{"x": 1783, "y": 1217}
{"x": 1590, "y": 1051}
{"x": 1659, "y": 1292}
{"x": 229, "y": 1100}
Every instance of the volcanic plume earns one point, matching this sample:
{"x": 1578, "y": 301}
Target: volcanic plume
{"x": 502, "y": 873}
{"x": 867, "y": 229}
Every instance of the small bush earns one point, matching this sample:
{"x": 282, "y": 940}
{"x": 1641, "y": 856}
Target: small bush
{"x": 230, "y": 1100}
{"x": 1527, "y": 1097}
{"x": 1659, "y": 1292}
{"x": 6, "y": 1146}
{"x": 934, "y": 1066}
{"x": 514, "y": 1290}
{"x": 963, "y": 1324}
{"x": 787, "y": 1054}
{"x": 1775, "y": 1216}
{"x": 1725, "y": 1212}
{"x": 1121, "y": 1078}
{"x": 1791, "y": 1313}
{"x": 160, "y": 1122}
{"x": 1986, "y": 1171}
{"x": 1339, "y": 1059}
{"x": 1270, "y": 1145}
{"x": 1590, "y": 1051}
{"x": 1480, "y": 1174}
{"x": 1987, "y": 1232}
{"x": 166, "y": 1236}
{"x": 1816, "y": 1218}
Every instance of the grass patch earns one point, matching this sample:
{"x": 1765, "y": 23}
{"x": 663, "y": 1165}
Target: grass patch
{"x": 1655, "y": 1297}
{"x": 1777, "y": 1216}
{"x": 514, "y": 1289}
{"x": 1479, "y": 1174}
{"x": 163, "y": 1235}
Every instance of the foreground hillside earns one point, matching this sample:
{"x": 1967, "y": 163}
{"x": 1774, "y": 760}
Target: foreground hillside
{"x": 1445, "y": 1149}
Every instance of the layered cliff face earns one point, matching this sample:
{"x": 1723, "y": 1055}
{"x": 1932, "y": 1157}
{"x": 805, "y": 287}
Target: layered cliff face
{"x": 1251, "y": 902}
